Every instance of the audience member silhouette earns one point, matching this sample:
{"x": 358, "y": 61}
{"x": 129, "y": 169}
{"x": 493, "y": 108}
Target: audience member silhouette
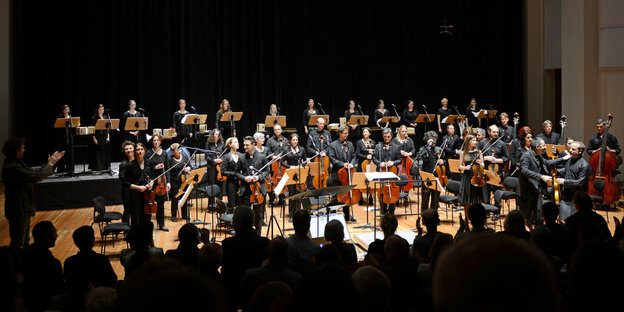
{"x": 585, "y": 215}
{"x": 187, "y": 252}
{"x": 334, "y": 235}
{"x": 402, "y": 271}
{"x": 514, "y": 226}
{"x": 302, "y": 250}
{"x": 422, "y": 243}
{"x": 94, "y": 266}
{"x": 561, "y": 234}
{"x": 388, "y": 224}
{"x": 373, "y": 287}
{"x": 333, "y": 281}
{"x": 272, "y": 296}
{"x": 141, "y": 239}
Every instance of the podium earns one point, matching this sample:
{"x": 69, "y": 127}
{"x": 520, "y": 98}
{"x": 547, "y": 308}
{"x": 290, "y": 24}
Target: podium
{"x": 69, "y": 123}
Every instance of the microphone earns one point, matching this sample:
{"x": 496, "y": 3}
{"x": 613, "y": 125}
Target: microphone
{"x": 424, "y": 106}
{"x": 319, "y": 104}
{"x": 193, "y": 108}
{"x": 359, "y": 107}
{"x": 252, "y": 168}
{"x": 393, "y": 105}
{"x": 140, "y": 109}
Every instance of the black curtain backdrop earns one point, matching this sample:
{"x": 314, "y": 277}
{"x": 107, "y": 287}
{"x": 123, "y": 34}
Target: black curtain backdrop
{"x": 256, "y": 52}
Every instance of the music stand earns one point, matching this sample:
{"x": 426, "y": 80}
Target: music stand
{"x": 232, "y": 117}
{"x": 425, "y": 118}
{"x": 195, "y": 176}
{"x": 432, "y": 182}
{"x": 358, "y": 120}
{"x": 194, "y": 120}
{"x": 314, "y": 119}
{"x": 107, "y": 124}
{"x": 291, "y": 176}
{"x": 136, "y": 124}
{"x": 452, "y": 118}
{"x": 454, "y": 165}
{"x": 361, "y": 183}
{"x": 271, "y": 121}
{"x": 379, "y": 178}
{"x": 550, "y": 147}
{"x": 69, "y": 123}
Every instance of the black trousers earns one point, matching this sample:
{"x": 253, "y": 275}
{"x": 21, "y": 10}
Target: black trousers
{"x": 430, "y": 199}
{"x": 125, "y": 200}
{"x": 532, "y": 209}
{"x": 19, "y": 232}
{"x": 174, "y": 203}
{"x": 232, "y": 194}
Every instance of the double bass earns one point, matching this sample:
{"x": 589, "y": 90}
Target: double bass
{"x": 603, "y": 166}
{"x": 320, "y": 180}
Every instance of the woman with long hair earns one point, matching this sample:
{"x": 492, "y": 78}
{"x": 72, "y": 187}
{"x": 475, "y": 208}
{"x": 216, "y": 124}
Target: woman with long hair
{"x": 234, "y": 168}
{"x": 215, "y": 146}
{"x": 307, "y": 113}
{"x": 101, "y": 140}
{"x": 137, "y": 135}
{"x": 469, "y": 157}
{"x": 293, "y": 160}
{"x": 157, "y": 164}
{"x": 179, "y": 164}
{"x": 226, "y": 127}
{"x": 137, "y": 180}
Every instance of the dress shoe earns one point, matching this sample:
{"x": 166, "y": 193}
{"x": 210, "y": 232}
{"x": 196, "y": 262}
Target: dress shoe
{"x": 163, "y": 228}
{"x": 174, "y": 219}
{"x": 264, "y": 223}
{"x": 352, "y": 219}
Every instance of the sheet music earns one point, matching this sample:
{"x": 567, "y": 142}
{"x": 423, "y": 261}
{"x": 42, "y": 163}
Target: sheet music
{"x": 444, "y": 119}
{"x": 280, "y": 186}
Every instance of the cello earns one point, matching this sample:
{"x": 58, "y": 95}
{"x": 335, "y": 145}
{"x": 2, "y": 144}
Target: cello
{"x": 321, "y": 180}
{"x": 354, "y": 196}
{"x": 390, "y": 193}
{"x": 603, "y": 166}
{"x": 367, "y": 165}
{"x": 404, "y": 169}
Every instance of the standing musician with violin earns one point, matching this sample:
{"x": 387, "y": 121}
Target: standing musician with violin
{"x": 235, "y": 169}
{"x": 575, "y": 173}
{"x": 533, "y": 179}
{"x": 179, "y": 164}
{"x": 471, "y": 162}
{"x": 135, "y": 175}
{"x": 518, "y": 147}
{"x": 292, "y": 159}
{"x": 387, "y": 155}
{"x": 318, "y": 142}
{"x": 431, "y": 156}
{"x": 214, "y": 143}
{"x": 276, "y": 145}
{"x": 506, "y": 131}
{"x": 157, "y": 163}
{"x": 342, "y": 155}
{"x": 496, "y": 154}
{"x": 253, "y": 189}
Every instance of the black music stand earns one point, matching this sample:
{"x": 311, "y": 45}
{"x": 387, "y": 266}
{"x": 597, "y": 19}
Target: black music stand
{"x": 69, "y": 123}
{"x": 232, "y": 117}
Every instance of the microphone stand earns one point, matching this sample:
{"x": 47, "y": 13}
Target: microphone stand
{"x": 322, "y": 111}
{"x": 426, "y": 114}
{"x": 460, "y": 121}
{"x": 109, "y": 125}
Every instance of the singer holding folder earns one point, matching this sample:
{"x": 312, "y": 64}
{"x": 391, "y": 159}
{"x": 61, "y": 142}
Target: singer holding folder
{"x": 226, "y": 127}
{"x": 134, "y": 136}
{"x": 101, "y": 143}
{"x": 183, "y": 131}
{"x": 355, "y": 131}
{"x": 310, "y": 110}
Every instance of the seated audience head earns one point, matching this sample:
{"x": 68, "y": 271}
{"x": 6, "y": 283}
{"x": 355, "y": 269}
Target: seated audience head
{"x": 474, "y": 268}
{"x": 334, "y": 232}
{"x": 514, "y": 222}
{"x": 373, "y": 287}
{"x": 440, "y": 243}
{"x": 188, "y": 235}
{"x": 210, "y": 257}
{"x": 550, "y": 211}
{"x": 141, "y": 235}
{"x": 277, "y": 250}
{"x": 243, "y": 218}
{"x": 101, "y": 299}
{"x": 395, "y": 247}
{"x": 431, "y": 219}
{"x": 388, "y": 224}
{"x": 301, "y": 222}
{"x": 272, "y": 296}
{"x": 84, "y": 238}
{"x": 582, "y": 201}
{"x": 476, "y": 215}
{"x": 44, "y": 234}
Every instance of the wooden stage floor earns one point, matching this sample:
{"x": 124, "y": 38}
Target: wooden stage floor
{"x": 66, "y": 221}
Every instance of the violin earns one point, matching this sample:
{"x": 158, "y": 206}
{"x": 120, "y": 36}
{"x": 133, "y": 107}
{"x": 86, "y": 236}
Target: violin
{"x": 555, "y": 186}
{"x": 441, "y": 171}
{"x": 161, "y": 185}
{"x": 220, "y": 176}
{"x": 321, "y": 180}
{"x": 256, "y": 195}
{"x": 492, "y": 172}
{"x": 354, "y": 196}
{"x": 150, "y": 205}
{"x": 603, "y": 166}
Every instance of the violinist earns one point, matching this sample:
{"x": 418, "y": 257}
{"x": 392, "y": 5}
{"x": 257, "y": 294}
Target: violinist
{"x": 259, "y": 144}
{"x": 157, "y": 163}
{"x": 519, "y": 147}
{"x": 499, "y": 149}
{"x": 430, "y": 156}
{"x": 365, "y": 148}
{"x": 319, "y": 139}
{"x": 234, "y": 167}
{"x": 101, "y": 143}
{"x": 355, "y": 131}
{"x": 128, "y": 150}
{"x": 548, "y": 135}
{"x": 180, "y": 167}
{"x": 595, "y": 142}
{"x": 409, "y": 115}
{"x": 342, "y": 155}
{"x": 470, "y": 157}
{"x": 533, "y": 180}
{"x": 506, "y": 131}
{"x": 277, "y": 143}
{"x": 134, "y": 136}
{"x": 405, "y": 143}
{"x": 307, "y": 113}
{"x": 257, "y": 172}
{"x": 293, "y": 160}
{"x": 471, "y": 110}
{"x": 387, "y": 155}
{"x": 451, "y": 149}
{"x": 480, "y": 135}
{"x": 136, "y": 178}
{"x": 575, "y": 173}
{"x": 183, "y": 131}
{"x": 226, "y": 127}
{"x": 442, "y": 113}
{"x": 214, "y": 143}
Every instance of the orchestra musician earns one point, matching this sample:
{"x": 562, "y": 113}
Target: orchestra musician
{"x": 519, "y": 147}
{"x": 307, "y": 113}
{"x": 501, "y": 155}
{"x": 214, "y": 143}
{"x": 506, "y": 131}
{"x": 595, "y": 142}
{"x": 568, "y": 146}
{"x": 319, "y": 139}
{"x": 548, "y": 135}
{"x": 293, "y": 160}
{"x": 480, "y": 134}
{"x": 471, "y": 110}
{"x": 233, "y": 166}
{"x": 405, "y": 143}
{"x": 259, "y": 144}
{"x": 62, "y": 141}
{"x": 381, "y": 112}
{"x": 409, "y": 115}
{"x": 134, "y": 136}
{"x": 179, "y": 164}
{"x": 575, "y": 173}
{"x": 342, "y": 155}
{"x": 183, "y": 131}
{"x": 355, "y": 131}
{"x": 533, "y": 179}
{"x": 254, "y": 162}
{"x": 452, "y": 149}
{"x": 442, "y": 113}
{"x": 157, "y": 163}
{"x": 226, "y": 127}
{"x": 430, "y": 159}
{"x": 277, "y": 143}
{"x": 469, "y": 157}
{"x": 273, "y": 110}
{"x": 101, "y": 140}
{"x": 136, "y": 178}
{"x": 365, "y": 148}
{"x": 128, "y": 150}
{"x": 387, "y": 155}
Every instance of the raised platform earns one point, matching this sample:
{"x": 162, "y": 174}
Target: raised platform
{"x": 62, "y": 192}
